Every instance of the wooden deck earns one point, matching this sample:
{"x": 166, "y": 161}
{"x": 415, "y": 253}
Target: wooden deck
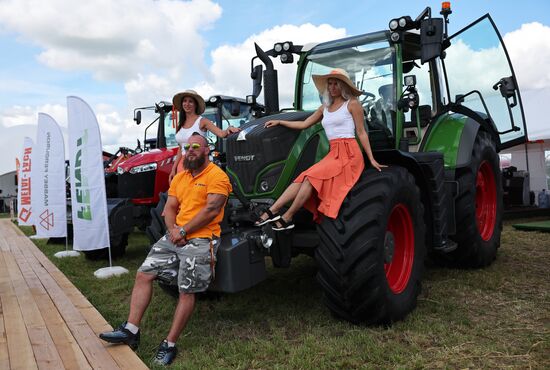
{"x": 45, "y": 322}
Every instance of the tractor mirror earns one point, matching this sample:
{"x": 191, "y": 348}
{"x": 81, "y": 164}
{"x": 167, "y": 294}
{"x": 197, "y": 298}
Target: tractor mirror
{"x": 256, "y": 76}
{"x": 137, "y": 117}
{"x": 235, "y": 108}
{"x": 431, "y": 38}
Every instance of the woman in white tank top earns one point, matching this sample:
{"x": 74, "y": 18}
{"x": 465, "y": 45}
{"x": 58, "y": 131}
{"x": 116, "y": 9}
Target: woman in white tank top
{"x": 323, "y": 187}
{"x": 192, "y": 106}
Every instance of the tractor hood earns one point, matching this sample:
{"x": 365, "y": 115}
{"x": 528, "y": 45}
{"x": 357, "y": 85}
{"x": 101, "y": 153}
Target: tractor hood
{"x": 159, "y": 156}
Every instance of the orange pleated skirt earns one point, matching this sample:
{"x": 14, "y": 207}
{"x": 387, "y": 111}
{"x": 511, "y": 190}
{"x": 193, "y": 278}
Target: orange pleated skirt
{"x": 333, "y": 177}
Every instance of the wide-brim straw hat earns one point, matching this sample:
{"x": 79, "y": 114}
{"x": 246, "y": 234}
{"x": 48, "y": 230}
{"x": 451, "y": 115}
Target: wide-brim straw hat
{"x": 339, "y": 74}
{"x": 178, "y": 99}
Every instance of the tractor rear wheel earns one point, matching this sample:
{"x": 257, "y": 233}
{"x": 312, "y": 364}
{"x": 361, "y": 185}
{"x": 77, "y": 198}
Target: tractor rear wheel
{"x": 478, "y": 207}
{"x": 371, "y": 257}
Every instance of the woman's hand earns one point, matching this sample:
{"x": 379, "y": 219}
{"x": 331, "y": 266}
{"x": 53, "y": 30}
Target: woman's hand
{"x": 232, "y": 130}
{"x": 377, "y": 165}
{"x": 272, "y": 123}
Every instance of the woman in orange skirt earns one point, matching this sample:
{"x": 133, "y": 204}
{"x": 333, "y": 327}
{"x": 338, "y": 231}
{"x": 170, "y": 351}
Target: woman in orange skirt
{"x": 321, "y": 189}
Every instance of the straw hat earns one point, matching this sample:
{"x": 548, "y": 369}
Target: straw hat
{"x": 178, "y": 98}
{"x": 339, "y": 74}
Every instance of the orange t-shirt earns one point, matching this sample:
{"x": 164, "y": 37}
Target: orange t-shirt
{"x": 191, "y": 193}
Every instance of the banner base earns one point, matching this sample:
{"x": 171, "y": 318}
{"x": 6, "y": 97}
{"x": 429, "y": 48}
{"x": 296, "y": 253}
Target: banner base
{"x": 38, "y": 237}
{"x": 63, "y": 254}
{"x": 107, "y": 272}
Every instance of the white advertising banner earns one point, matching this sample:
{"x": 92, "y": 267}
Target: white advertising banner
{"x": 49, "y": 195}
{"x": 24, "y": 184}
{"x": 88, "y": 199}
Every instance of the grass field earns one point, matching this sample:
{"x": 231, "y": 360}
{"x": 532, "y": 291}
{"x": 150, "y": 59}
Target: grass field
{"x": 498, "y": 317}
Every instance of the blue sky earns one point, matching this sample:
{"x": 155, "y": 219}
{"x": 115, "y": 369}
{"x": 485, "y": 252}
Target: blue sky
{"x": 51, "y": 49}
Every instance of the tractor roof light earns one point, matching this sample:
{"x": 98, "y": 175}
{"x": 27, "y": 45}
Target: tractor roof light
{"x": 446, "y": 7}
{"x": 213, "y": 99}
{"x": 402, "y": 22}
{"x": 287, "y": 45}
{"x": 287, "y": 58}
{"x": 278, "y": 47}
{"x": 393, "y": 24}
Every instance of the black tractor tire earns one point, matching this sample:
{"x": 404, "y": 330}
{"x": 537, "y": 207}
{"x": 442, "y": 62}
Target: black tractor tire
{"x": 118, "y": 248}
{"x": 371, "y": 257}
{"x": 157, "y": 228}
{"x": 478, "y": 207}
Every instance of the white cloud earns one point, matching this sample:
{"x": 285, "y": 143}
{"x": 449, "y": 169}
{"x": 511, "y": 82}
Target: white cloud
{"x": 529, "y": 50}
{"x": 231, "y": 63}
{"x": 115, "y": 40}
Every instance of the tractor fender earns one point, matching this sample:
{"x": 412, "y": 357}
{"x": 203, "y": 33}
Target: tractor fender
{"x": 454, "y": 136}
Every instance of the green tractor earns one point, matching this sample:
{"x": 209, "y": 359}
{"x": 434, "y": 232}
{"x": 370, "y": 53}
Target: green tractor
{"x": 438, "y": 110}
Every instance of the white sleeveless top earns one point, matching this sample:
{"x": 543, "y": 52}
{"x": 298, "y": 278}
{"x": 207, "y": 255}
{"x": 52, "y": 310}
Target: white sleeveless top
{"x": 183, "y": 135}
{"x": 338, "y": 124}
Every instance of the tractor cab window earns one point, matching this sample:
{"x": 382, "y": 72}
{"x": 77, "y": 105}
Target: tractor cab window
{"x": 369, "y": 60}
{"x": 170, "y": 130}
{"x": 227, "y": 115}
{"x": 480, "y": 77}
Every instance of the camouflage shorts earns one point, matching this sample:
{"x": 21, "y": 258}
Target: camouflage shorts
{"x": 189, "y": 264}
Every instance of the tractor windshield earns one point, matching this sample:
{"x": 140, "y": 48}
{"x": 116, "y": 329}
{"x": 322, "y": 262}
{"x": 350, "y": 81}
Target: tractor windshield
{"x": 369, "y": 60}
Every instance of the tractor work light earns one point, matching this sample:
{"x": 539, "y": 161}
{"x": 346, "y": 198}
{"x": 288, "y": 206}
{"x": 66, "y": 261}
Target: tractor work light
{"x": 402, "y": 22}
{"x": 393, "y": 24}
{"x": 250, "y": 99}
{"x": 213, "y": 99}
{"x": 287, "y": 58}
{"x": 143, "y": 168}
{"x": 395, "y": 36}
{"x": 287, "y": 45}
{"x": 410, "y": 80}
{"x": 278, "y": 47}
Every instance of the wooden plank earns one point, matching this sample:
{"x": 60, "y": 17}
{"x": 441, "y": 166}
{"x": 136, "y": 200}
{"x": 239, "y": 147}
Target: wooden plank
{"x": 93, "y": 349}
{"x": 123, "y": 355}
{"x": 43, "y": 347}
{"x": 4, "y": 358}
{"x": 19, "y": 346}
{"x": 67, "y": 347}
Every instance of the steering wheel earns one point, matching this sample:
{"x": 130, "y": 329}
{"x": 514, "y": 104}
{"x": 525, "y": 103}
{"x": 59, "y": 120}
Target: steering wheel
{"x": 368, "y": 100}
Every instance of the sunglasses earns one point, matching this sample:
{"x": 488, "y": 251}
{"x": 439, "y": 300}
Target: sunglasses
{"x": 193, "y": 146}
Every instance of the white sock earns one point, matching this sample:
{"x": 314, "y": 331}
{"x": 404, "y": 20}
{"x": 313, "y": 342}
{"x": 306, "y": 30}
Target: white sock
{"x": 133, "y": 329}
{"x": 170, "y": 344}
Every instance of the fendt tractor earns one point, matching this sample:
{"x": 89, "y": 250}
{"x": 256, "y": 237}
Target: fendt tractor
{"x": 438, "y": 109}
{"x": 134, "y": 178}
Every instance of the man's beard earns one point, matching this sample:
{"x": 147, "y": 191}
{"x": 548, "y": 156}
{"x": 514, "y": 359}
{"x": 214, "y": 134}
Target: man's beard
{"x": 193, "y": 164}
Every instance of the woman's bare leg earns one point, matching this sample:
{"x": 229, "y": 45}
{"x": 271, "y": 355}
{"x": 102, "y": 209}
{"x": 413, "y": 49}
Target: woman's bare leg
{"x": 288, "y": 195}
{"x": 304, "y": 193}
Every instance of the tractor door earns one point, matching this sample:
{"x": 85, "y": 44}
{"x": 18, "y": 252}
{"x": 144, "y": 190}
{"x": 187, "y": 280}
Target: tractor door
{"x": 480, "y": 77}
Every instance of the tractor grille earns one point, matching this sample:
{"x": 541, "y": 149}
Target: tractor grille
{"x": 139, "y": 185}
{"x": 262, "y": 147}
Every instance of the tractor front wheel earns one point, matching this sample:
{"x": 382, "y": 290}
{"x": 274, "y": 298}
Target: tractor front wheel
{"x": 371, "y": 257}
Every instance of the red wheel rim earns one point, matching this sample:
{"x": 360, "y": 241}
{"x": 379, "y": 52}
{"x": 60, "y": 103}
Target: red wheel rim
{"x": 398, "y": 271}
{"x": 486, "y": 201}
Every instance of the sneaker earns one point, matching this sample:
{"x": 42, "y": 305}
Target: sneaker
{"x": 121, "y": 335}
{"x": 165, "y": 355}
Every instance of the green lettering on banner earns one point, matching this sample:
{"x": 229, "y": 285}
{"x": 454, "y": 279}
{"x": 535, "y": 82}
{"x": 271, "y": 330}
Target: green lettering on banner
{"x": 82, "y": 194}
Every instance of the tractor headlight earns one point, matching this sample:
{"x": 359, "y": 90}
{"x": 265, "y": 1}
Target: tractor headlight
{"x": 144, "y": 168}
